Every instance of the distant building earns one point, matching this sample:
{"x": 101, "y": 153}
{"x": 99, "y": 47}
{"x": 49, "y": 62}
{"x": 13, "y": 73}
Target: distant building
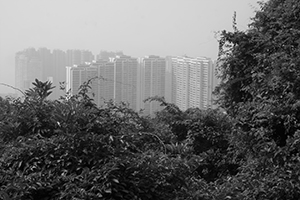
{"x": 117, "y": 79}
{"x": 153, "y": 73}
{"x": 101, "y": 74}
{"x": 106, "y": 55}
{"x": 78, "y": 57}
{"x": 73, "y": 57}
{"x": 28, "y": 67}
{"x": 192, "y": 82}
{"x": 77, "y": 75}
{"x": 105, "y": 81}
{"x": 126, "y": 79}
{"x": 86, "y": 56}
{"x": 59, "y": 62}
{"x": 31, "y": 64}
{"x": 45, "y": 56}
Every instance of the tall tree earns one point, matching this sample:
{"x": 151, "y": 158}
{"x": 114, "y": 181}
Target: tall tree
{"x": 260, "y": 73}
{"x": 260, "y": 70}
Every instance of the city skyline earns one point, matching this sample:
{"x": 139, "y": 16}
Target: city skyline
{"x": 139, "y": 28}
{"x": 182, "y": 80}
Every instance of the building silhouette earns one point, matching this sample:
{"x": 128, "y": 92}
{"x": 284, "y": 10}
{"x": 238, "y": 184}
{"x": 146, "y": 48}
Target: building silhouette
{"x": 153, "y": 73}
{"x": 101, "y": 77}
{"x": 191, "y": 82}
{"x": 78, "y": 57}
{"x": 105, "y": 81}
{"x": 28, "y": 67}
{"x": 107, "y": 55}
{"x": 116, "y": 80}
{"x": 42, "y": 64}
{"x": 59, "y": 72}
{"x": 126, "y": 79}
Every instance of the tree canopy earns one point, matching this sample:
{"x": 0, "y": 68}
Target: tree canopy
{"x": 259, "y": 69}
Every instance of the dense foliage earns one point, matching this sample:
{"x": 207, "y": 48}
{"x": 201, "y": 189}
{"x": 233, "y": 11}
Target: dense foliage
{"x": 260, "y": 76}
{"x": 249, "y": 149}
{"x": 72, "y": 149}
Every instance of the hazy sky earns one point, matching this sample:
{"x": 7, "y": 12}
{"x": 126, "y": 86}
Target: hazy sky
{"x": 137, "y": 27}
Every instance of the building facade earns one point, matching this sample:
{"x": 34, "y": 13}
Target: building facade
{"x": 42, "y": 64}
{"x": 28, "y": 67}
{"x": 192, "y": 81}
{"x": 77, "y": 75}
{"x": 78, "y": 57}
{"x": 153, "y": 73}
{"x": 59, "y": 63}
{"x": 126, "y": 79}
{"x": 106, "y": 81}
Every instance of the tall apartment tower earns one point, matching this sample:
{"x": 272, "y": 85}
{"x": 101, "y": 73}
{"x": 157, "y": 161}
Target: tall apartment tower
{"x": 126, "y": 79}
{"x": 86, "y": 56}
{"x": 77, "y": 75}
{"x": 28, "y": 67}
{"x": 102, "y": 75}
{"x": 105, "y": 81}
{"x": 201, "y": 82}
{"x": 78, "y": 57}
{"x": 191, "y": 81}
{"x": 73, "y": 57}
{"x": 153, "y": 70}
{"x": 106, "y": 55}
{"x": 59, "y": 63}
{"x": 42, "y": 64}
{"x": 46, "y": 57}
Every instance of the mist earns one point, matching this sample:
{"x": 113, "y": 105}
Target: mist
{"x": 136, "y": 27}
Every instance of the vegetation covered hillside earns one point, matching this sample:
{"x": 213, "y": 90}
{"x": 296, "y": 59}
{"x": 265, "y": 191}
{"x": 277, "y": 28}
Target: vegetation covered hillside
{"x": 71, "y": 149}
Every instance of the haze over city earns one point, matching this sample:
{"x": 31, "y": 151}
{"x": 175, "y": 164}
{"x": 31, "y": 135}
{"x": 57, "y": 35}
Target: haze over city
{"x": 136, "y": 27}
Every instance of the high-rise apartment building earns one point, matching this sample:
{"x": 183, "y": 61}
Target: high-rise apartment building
{"x": 191, "y": 81}
{"x": 101, "y": 74}
{"x": 153, "y": 71}
{"x": 200, "y": 87}
{"x": 78, "y": 74}
{"x": 78, "y": 57}
{"x": 86, "y": 56}
{"x": 126, "y": 79}
{"x": 59, "y": 72}
{"x": 116, "y": 79}
{"x": 45, "y": 65}
{"x": 107, "y": 55}
{"x": 73, "y": 57}
{"x": 28, "y": 67}
{"x": 105, "y": 81}
{"x": 45, "y": 56}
